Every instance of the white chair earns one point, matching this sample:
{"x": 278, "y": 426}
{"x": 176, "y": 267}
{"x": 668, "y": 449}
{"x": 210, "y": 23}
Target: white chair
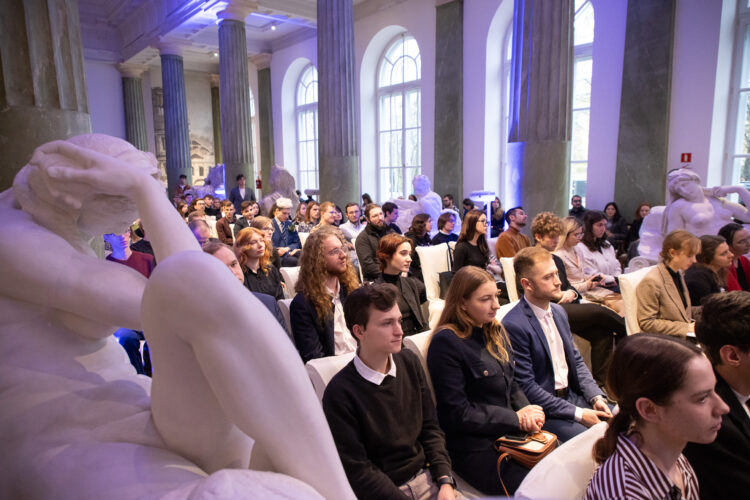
{"x": 284, "y": 305}
{"x": 434, "y": 261}
{"x": 303, "y": 238}
{"x": 629, "y": 288}
{"x": 510, "y": 277}
{"x": 418, "y": 345}
{"x": 565, "y": 473}
{"x": 322, "y": 370}
{"x": 492, "y": 243}
{"x": 290, "y": 276}
{"x": 231, "y": 230}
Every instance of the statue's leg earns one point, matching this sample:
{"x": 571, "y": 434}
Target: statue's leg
{"x": 223, "y": 369}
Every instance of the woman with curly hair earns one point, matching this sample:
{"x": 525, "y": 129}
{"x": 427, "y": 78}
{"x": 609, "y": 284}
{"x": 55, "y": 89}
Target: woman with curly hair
{"x": 326, "y": 277}
{"x": 266, "y": 226}
{"x": 254, "y": 255}
{"x": 312, "y": 217}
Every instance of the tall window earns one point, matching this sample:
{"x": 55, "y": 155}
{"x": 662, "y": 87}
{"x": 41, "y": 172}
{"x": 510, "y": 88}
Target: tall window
{"x": 583, "y": 39}
{"x": 307, "y": 128}
{"x": 739, "y": 131}
{"x": 255, "y": 132}
{"x": 399, "y": 118}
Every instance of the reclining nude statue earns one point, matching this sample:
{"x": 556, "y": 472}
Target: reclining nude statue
{"x": 76, "y": 420}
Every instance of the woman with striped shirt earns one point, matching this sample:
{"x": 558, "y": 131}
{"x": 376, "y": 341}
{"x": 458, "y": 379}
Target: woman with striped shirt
{"x": 665, "y": 389}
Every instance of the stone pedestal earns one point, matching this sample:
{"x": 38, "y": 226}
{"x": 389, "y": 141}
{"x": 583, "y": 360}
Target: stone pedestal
{"x": 338, "y": 152}
{"x": 135, "y": 116}
{"x": 644, "y": 104}
{"x": 236, "y": 127}
{"x": 216, "y": 117}
{"x": 265, "y": 119}
{"x": 42, "y": 87}
{"x": 449, "y": 99}
{"x": 540, "y": 106}
{"x": 176, "y": 133}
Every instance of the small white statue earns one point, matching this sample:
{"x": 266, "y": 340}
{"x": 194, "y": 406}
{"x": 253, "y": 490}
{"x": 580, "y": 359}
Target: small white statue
{"x": 77, "y": 422}
{"x": 282, "y": 183}
{"x": 428, "y": 202}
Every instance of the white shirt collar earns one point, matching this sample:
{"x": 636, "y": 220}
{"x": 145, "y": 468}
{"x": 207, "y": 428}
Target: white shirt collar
{"x": 335, "y": 292}
{"x": 538, "y": 311}
{"x": 371, "y": 375}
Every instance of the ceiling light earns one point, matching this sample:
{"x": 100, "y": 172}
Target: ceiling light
{"x": 214, "y": 54}
{"x": 273, "y": 26}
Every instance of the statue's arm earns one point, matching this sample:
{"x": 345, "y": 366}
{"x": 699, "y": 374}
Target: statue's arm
{"x": 738, "y": 211}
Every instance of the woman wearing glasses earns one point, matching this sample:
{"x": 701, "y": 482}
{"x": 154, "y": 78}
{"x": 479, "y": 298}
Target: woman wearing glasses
{"x": 471, "y": 248}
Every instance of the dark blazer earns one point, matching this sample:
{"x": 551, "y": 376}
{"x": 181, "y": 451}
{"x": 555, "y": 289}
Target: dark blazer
{"x": 701, "y": 282}
{"x": 283, "y": 237}
{"x": 366, "y": 246}
{"x": 224, "y": 231}
{"x": 414, "y": 293}
{"x": 723, "y": 467}
{"x": 477, "y": 396}
{"x": 534, "y": 371}
{"x": 313, "y": 338}
{"x": 234, "y": 197}
{"x": 239, "y": 224}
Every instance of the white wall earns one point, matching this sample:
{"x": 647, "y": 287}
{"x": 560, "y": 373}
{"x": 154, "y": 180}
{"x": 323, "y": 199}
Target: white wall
{"x": 104, "y": 89}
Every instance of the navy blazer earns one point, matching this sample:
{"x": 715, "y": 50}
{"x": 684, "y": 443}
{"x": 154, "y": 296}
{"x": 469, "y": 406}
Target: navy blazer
{"x": 313, "y": 338}
{"x": 282, "y": 237}
{"x": 534, "y": 371}
{"x": 722, "y": 466}
{"x": 236, "y": 199}
{"x": 477, "y": 395}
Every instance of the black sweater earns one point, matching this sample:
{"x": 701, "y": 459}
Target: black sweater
{"x": 385, "y": 433}
{"x": 467, "y": 254}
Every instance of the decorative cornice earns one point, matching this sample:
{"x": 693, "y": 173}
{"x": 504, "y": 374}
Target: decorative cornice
{"x": 237, "y": 10}
{"x": 261, "y": 61}
{"x": 128, "y": 70}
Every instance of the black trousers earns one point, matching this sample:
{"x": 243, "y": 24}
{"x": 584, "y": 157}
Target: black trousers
{"x": 600, "y": 326}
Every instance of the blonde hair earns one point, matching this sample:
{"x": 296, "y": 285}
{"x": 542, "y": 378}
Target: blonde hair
{"x": 570, "y": 226}
{"x": 679, "y": 240}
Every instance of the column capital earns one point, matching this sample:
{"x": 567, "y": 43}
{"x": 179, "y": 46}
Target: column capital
{"x": 169, "y": 48}
{"x": 214, "y": 80}
{"x": 438, "y": 3}
{"x": 129, "y": 70}
{"x": 237, "y": 10}
{"x": 262, "y": 60}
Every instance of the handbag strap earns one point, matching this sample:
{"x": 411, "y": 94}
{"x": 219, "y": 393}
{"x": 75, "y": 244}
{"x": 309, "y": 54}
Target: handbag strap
{"x": 504, "y": 457}
{"x": 450, "y": 257}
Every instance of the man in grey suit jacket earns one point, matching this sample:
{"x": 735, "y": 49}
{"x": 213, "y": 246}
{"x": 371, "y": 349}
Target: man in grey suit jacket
{"x": 549, "y": 368}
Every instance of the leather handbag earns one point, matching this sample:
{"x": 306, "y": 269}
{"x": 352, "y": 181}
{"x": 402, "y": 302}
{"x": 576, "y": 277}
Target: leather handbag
{"x": 527, "y": 450}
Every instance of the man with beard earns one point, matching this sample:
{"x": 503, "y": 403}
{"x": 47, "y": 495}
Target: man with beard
{"x": 511, "y": 241}
{"x": 548, "y": 367}
{"x": 368, "y": 240}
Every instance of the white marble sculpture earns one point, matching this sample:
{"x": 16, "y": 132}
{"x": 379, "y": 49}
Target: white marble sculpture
{"x": 282, "y": 183}
{"x": 76, "y": 420}
{"x": 692, "y": 207}
{"x": 428, "y": 202}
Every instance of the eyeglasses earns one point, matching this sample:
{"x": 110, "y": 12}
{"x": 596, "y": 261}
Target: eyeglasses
{"x": 336, "y": 252}
{"x": 482, "y": 221}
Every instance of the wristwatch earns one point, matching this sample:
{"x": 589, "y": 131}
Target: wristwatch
{"x": 447, "y": 480}
{"x": 597, "y": 398}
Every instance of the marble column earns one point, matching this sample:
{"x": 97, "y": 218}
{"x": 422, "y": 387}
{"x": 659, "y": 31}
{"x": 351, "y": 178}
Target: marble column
{"x": 338, "y": 152}
{"x": 449, "y": 98}
{"x": 176, "y": 133}
{"x": 216, "y": 117}
{"x": 265, "y": 118}
{"x": 132, "y": 95}
{"x": 644, "y": 104}
{"x": 234, "y": 89}
{"x": 540, "y": 106}
{"x": 42, "y": 87}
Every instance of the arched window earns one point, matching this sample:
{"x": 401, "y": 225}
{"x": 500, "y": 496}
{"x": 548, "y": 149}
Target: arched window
{"x": 256, "y": 159}
{"x": 306, "y": 106}
{"x": 399, "y": 117}
{"x": 583, "y": 40}
{"x": 738, "y": 140}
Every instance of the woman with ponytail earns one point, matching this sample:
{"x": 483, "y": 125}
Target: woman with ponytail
{"x": 665, "y": 390}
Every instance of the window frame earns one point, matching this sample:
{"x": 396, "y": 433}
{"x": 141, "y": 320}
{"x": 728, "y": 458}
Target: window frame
{"x": 582, "y": 52}
{"x": 735, "y": 91}
{"x": 299, "y": 110}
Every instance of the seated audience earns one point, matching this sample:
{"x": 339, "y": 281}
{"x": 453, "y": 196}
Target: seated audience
{"x": 597, "y": 253}
{"x": 380, "y": 409}
{"x": 312, "y": 217}
{"x": 196, "y": 215}
{"x": 468, "y": 206}
{"x": 353, "y": 226}
{"x": 665, "y": 391}
{"x": 576, "y": 208}
{"x": 390, "y": 216}
{"x": 663, "y": 298}
{"x": 299, "y": 216}
{"x": 419, "y": 234}
{"x": 327, "y": 215}
{"x": 722, "y": 466}
{"x": 548, "y": 366}
{"x": 210, "y": 209}
{"x": 446, "y": 222}
{"x": 394, "y": 256}
{"x": 634, "y": 233}
{"x": 617, "y": 226}
{"x": 497, "y": 219}
{"x": 367, "y": 242}
{"x": 478, "y": 400}
{"x": 201, "y": 231}
{"x": 471, "y": 247}
{"x": 254, "y": 256}
{"x": 226, "y": 255}
{"x": 738, "y": 240}
{"x": 248, "y": 214}
{"x": 593, "y": 322}
{"x": 197, "y": 204}
{"x": 338, "y": 216}
{"x": 223, "y": 225}
{"x": 511, "y": 241}
{"x": 366, "y": 200}
{"x": 266, "y": 225}
{"x": 183, "y": 208}
{"x": 709, "y": 273}
{"x": 285, "y": 239}
{"x": 448, "y": 203}
{"x": 326, "y": 277}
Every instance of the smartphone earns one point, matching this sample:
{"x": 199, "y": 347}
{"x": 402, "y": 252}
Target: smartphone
{"x": 516, "y": 436}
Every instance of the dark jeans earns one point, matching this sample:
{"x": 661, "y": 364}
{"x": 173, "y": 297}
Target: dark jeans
{"x": 566, "y": 429}
{"x": 130, "y": 340}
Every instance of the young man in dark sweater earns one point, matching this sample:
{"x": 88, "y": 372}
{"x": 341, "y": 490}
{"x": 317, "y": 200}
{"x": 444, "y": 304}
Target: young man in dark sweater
{"x": 380, "y": 409}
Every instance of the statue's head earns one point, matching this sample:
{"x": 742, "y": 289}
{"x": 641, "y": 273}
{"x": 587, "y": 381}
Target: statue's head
{"x": 42, "y": 196}
{"x": 684, "y": 183}
{"x": 421, "y": 184}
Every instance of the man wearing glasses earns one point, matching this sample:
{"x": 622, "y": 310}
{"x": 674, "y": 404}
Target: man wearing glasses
{"x": 511, "y": 241}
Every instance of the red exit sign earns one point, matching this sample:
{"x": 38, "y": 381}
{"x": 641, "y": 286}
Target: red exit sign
{"x": 686, "y": 157}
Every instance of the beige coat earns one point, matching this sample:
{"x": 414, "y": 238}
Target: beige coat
{"x": 660, "y": 308}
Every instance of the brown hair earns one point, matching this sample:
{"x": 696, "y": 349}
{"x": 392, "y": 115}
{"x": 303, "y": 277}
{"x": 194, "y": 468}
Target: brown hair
{"x": 260, "y": 222}
{"x": 644, "y": 365}
{"x": 381, "y": 296}
{"x": 245, "y": 204}
{"x": 593, "y": 243}
{"x": 211, "y": 247}
{"x": 679, "y": 240}
{"x": 526, "y": 259}
{"x": 444, "y": 219}
{"x": 308, "y": 211}
{"x": 469, "y": 229}
{"x": 464, "y": 283}
{"x": 709, "y": 245}
{"x": 638, "y": 210}
{"x": 419, "y": 225}
{"x": 387, "y": 248}
{"x": 324, "y": 207}
{"x": 723, "y": 322}
{"x": 226, "y": 203}
{"x": 242, "y": 244}
{"x": 546, "y": 223}
{"x": 313, "y": 273}
{"x": 196, "y": 215}
{"x": 369, "y": 208}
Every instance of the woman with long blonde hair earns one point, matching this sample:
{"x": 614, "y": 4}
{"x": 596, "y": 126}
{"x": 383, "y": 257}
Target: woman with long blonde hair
{"x": 254, "y": 255}
{"x": 478, "y": 400}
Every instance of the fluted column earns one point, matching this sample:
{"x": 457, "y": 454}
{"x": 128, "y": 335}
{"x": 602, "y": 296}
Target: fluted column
{"x": 338, "y": 152}
{"x": 176, "y": 133}
{"x": 42, "y": 87}
{"x": 265, "y": 118}
{"x": 540, "y": 105}
{"x": 216, "y": 117}
{"x": 234, "y": 89}
{"x": 132, "y": 96}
